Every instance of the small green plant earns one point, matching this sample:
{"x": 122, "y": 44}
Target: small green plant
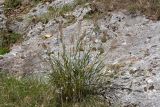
{"x": 7, "y": 39}
{"x": 75, "y": 77}
{"x": 3, "y": 50}
{"x": 11, "y": 4}
{"x": 14, "y": 37}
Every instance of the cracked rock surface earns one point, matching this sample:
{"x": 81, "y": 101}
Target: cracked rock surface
{"x": 3, "y": 18}
{"x": 132, "y": 44}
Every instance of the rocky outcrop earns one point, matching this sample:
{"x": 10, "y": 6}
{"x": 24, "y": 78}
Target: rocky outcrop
{"x": 137, "y": 48}
{"x": 26, "y": 21}
{"x": 3, "y": 19}
{"x": 131, "y": 44}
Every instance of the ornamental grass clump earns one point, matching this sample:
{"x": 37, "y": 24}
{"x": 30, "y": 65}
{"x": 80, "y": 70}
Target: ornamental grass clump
{"x": 78, "y": 75}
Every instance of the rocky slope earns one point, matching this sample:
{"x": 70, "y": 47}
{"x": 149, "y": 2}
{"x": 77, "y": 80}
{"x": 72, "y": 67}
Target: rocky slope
{"x": 2, "y": 16}
{"x": 131, "y": 44}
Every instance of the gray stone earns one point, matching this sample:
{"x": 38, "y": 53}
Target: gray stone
{"x": 133, "y": 42}
{"x": 3, "y": 18}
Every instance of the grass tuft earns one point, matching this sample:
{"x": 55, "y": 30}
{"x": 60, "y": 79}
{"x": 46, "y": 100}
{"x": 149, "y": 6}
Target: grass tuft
{"x": 24, "y": 92}
{"x": 78, "y": 76}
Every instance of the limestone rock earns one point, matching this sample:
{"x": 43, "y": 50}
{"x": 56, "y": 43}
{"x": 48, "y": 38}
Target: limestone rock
{"x": 135, "y": 40}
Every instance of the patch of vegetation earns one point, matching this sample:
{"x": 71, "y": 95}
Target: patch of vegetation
{"x": 11, "y": 4}
{"x": 77, "y": 79}
{"x": 77, "y": 76}
{"x": 24, "y": 92}
{"x": 54, "y": 12}
{"x": 7, "y": 39}
{"x": 30, "y": 93}
{"x": 133, "y": 9}
{"x": 3, "y": 51}
{"x": 150, "y": 8}
{"x": 147, "y": 7}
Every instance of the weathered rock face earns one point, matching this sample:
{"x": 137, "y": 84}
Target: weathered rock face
{"x": 3, "y": 19}
{"x": 26, "y": 23}
{"x": 132, "y": 44}
{"x": 137, "y": 47}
